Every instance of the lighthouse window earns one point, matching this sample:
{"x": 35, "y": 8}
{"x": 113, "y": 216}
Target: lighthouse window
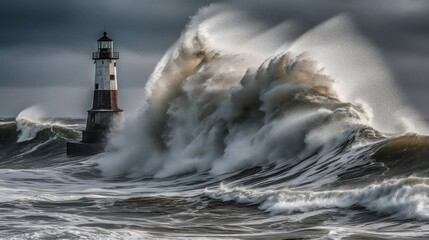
{"x": 105, "y": 44}
{"x": 114, "y": 64}
{"x": 112, "y": 77}
{"x": 96, "y": 86}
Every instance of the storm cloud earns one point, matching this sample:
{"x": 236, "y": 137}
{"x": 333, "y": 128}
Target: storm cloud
{"x": 46, "y": 44}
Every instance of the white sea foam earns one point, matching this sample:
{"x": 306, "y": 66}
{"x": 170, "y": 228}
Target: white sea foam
{"x": 402, "y": 198}
{"x": 228, "y": 96}
{"x": 24, "y": 123}
{"x": 81, "y": 232}
{"x": 31, "y": 121}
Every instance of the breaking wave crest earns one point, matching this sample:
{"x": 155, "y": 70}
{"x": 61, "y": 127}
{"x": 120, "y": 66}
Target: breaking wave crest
{"x": 401, "y": 198}
{"x": 285, "y": 125}
{"x": 308, "y": 127}
{"x": 230, "y": 97}
{"x": 30, "y": 122}
{"x": 32, "y": 135}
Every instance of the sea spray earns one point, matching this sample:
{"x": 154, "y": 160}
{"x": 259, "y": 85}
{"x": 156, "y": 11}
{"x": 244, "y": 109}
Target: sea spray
{"x": 360, "y": 73}
{"x": 28, "y": 131}
{"x": 217, "y": 103}
{"x": 32, "y": 120}
{"x": 239, "y": 137}
{"x": 403, "y": 198}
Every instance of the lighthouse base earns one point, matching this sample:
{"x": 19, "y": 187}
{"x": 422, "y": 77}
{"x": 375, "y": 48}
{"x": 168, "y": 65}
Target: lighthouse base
{"x": 84, "y": 149}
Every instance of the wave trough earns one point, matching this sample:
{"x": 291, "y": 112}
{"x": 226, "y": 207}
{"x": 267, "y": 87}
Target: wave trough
{"x": 247, "y": 131}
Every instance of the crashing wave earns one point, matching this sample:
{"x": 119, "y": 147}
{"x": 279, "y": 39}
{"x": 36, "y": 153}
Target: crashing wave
{"x": 402, "y": 198}
{"x": 222, "y": 100}
{"x": 31, "y": 122}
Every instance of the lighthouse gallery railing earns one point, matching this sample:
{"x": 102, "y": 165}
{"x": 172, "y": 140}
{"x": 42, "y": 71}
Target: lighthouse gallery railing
{"x": 105, "y": 55}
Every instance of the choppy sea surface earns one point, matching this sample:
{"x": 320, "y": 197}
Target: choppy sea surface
{"x": 246, "y": 131}
{"x": 373, "y": 191}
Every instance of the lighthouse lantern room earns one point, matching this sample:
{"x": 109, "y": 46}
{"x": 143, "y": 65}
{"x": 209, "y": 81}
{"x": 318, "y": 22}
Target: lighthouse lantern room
{"x": 105, "y": 111}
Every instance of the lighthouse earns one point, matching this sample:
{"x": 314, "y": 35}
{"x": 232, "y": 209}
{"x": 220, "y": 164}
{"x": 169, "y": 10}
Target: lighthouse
{"x": 105, "y": 112}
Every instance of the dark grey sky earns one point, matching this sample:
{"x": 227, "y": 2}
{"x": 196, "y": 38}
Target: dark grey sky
{"x": 45, "y": 45}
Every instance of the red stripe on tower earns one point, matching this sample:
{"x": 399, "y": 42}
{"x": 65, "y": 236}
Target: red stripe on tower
{"x": 105, "y": 110}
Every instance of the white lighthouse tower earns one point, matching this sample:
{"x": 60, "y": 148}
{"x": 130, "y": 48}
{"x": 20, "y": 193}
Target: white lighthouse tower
{"x": 105, "y": 110}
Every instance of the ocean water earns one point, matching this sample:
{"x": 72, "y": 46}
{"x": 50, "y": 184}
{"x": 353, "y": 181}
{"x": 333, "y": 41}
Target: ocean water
{"x": 243, "y": 134}
{"x": 377, "y": 190}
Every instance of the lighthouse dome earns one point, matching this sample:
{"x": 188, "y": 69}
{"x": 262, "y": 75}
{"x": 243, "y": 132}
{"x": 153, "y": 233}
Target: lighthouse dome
{"x": 105, "y": 37}
{"x": 105, "y": 42}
